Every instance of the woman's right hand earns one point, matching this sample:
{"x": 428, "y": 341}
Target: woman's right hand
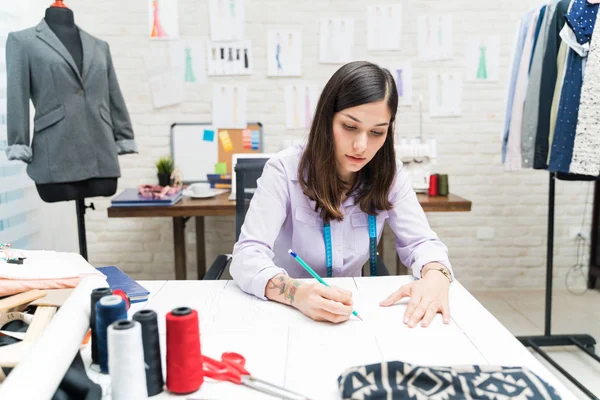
{"x": 323, "y": 303}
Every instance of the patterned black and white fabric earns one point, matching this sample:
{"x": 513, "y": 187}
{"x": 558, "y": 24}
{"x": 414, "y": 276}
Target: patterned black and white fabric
{"x": 396, "y": 380}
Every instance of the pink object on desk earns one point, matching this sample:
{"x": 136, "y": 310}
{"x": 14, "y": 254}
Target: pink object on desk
{"x": 156, "y": 191}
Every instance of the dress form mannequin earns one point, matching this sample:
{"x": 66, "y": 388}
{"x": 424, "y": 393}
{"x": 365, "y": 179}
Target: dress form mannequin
{"x": 61, "y": 21}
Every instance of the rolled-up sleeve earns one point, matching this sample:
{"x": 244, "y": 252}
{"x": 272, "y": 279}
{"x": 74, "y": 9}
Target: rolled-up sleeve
{"x": 18, "y": 88}
{"x": 416, "y": 243}
{"x": 252, "y": 266}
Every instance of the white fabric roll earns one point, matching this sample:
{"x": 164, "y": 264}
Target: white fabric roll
{"x": 49, "y": 357}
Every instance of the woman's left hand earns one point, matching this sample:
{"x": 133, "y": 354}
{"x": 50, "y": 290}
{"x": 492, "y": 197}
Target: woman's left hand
{"x": 428, "y": 296}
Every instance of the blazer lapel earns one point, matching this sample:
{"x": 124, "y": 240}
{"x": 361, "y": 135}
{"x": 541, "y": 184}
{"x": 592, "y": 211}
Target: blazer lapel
{"x": 89, "y": 49}
{"x": 46, "y": 35}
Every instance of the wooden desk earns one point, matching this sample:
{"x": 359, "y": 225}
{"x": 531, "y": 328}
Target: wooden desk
{"x": 221, "y": 206}
{"x": 286, "y": 348}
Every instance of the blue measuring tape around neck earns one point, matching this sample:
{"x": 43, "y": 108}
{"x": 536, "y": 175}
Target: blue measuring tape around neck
{"x": 372, "y": 246}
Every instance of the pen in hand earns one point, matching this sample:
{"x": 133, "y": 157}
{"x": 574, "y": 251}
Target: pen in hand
{"x": 315, "y": 275}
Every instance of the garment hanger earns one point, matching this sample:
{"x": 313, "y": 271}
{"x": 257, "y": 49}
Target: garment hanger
{"x": 58, "y": 3}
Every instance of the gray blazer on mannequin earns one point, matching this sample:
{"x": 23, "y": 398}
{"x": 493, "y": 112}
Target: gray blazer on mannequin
{"x": 81, "y": 122}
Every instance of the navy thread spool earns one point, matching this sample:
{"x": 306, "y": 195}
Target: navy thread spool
{"x": 96, "y": 295}
{"x": 108, "y": 310}
{"x": 154, "y": 377}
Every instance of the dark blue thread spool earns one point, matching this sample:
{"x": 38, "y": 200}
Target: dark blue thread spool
{"x": 108, "y": 310}
{"x": 150, "y": 339}
{"x": 96, "y": 295}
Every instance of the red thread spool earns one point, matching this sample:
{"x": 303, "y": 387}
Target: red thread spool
{"x": 184, "y": 359}
{"x": 433, "y": 185}
{"x": 122, "y": 294}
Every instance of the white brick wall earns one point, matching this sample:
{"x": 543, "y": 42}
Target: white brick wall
{"x": 513, "y": 205}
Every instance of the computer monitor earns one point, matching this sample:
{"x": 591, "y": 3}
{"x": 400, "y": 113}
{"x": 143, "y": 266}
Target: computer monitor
{"x": 246, "y": 158}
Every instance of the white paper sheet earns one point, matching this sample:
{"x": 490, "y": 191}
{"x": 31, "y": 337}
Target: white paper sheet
{"x": 188, "y": 56}
{"x": 229, "y": 58}
{"x": 157, "y": 59}
{"x": 166, "y": 88}
{"x": 403, "y": 76}
{"x": 483, "y": 59}
{"x": 445, "y": 94}
{"x": 229, "y": 106}
{"x": 336, "y": 40}
{"x": 345, "y": 345}
{"x": 226, "y": 19}
{"x": 284, "y": 53}
{"x": 163, "y": 19}
{"x": 435, "y": 37}
{"x": 300, "y": 103}
{"x": 384, "y": 27}
{"x": 40, "y": 264}
{"x": 164, "y": 76}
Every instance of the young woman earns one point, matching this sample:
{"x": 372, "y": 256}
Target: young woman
{"x": 344, "y": 183}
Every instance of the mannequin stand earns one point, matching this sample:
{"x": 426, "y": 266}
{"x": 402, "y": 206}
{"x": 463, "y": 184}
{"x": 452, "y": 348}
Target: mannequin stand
{"x": 80, "y": 205}
{"x": 584, "y": 342}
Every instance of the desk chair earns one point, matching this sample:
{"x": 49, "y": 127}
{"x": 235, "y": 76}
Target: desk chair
{"x": 247, "y": 173}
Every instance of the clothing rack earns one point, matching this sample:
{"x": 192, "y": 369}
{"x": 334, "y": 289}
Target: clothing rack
{"x": 584, "y": 342}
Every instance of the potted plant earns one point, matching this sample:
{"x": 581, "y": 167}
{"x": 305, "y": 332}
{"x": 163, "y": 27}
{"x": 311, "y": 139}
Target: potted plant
{"x": 165, "y": 167}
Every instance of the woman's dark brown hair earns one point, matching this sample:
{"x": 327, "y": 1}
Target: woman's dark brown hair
{"x": 355, "y": 83}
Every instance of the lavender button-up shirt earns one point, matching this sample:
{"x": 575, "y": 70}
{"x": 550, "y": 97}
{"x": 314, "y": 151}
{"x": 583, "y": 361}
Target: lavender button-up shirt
{"x": 282, "y": 217}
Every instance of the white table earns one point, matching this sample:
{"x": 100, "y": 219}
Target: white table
{"x": 284, "y": 347}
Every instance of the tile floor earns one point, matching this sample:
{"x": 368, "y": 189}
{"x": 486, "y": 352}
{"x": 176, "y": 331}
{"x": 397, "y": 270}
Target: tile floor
{"x": 522, "y": 312}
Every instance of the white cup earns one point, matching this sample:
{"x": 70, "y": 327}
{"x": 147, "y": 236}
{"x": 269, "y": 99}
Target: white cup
{"x": 200, "y": 188}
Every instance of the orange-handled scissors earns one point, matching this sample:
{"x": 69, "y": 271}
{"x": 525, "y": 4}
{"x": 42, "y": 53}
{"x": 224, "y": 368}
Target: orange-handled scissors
{"x": 232, "y": 368}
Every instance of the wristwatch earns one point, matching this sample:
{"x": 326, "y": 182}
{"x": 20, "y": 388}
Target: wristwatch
{"x": 443, "y": 270}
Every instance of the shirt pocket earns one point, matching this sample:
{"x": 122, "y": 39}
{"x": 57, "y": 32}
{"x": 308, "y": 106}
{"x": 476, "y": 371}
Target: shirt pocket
{"x": 360, "y": 233}
{"x": 308, "y": 217}
{"x": 360, "y": 230}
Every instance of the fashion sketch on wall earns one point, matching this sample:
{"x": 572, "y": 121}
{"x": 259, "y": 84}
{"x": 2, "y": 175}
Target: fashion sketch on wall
{"x": 188, "y": 56}
{"x": 445, "y": 94}
{"x": 384, "y": 27}
{"x": 165, "y": 76}
{"x": 284, "y": 53}
{"x": 229, "y": 106}
{"x": 435, "y": 37}
{"x": 229, "y": 58}
{"x": 403, "y": 76}
{"x": 226, "y": 20}
{"x": 336, "y": 40}
{"x": 163, "y": 19}
{"x": 483, "y": 59}
{"x": 300, "y": 103}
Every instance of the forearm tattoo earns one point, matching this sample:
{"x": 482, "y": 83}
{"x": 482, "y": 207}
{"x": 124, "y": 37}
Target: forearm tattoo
{"x": 287, "y": 289}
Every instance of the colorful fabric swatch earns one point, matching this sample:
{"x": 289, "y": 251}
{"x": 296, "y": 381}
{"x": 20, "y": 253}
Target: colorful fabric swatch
{"x": 255, "y": 140}
{"x": 246, "y": 137}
